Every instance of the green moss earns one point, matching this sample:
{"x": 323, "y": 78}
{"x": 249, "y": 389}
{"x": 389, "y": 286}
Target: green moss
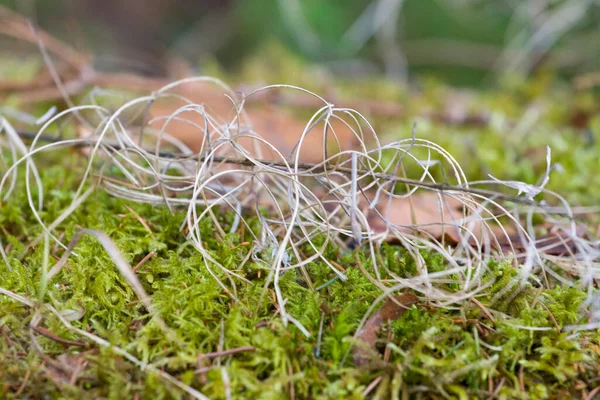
{"x": 455, "y": 353}
{"x": 433, "y": 353}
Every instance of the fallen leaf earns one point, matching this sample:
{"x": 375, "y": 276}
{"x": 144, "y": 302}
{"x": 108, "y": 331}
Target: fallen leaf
{"x": 277, "y": 126}
{"x": 391, "y": 310}
{"x": 439, "y": 215}
{"x": 555, "y": 243}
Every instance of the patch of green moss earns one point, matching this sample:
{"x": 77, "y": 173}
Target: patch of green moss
{"x": 433, "y": 353}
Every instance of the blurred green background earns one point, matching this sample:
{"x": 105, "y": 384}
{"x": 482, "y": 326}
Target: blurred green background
{"x": 464, "y": 42}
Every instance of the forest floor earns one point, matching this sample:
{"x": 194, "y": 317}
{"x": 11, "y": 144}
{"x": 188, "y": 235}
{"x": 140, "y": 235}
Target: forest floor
{"x": 87, "y": 330}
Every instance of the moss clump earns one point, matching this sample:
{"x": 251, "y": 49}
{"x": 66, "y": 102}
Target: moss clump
{"x": 431, "y": 353}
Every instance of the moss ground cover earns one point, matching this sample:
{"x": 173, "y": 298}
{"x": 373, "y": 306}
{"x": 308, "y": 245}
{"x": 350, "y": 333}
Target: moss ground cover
{"x": 427, "y": 353}
{"x": 509, "y": 344}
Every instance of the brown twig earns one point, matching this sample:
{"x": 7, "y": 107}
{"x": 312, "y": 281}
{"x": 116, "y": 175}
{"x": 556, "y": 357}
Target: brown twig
{"x": 143, "y": 261}
{"x": 485, "y": 310}
{"x": 141, "y": 220}
{"x": 338, "y": 266}
{"x": 388, "y": 350}
{"x": 372, "y": 385}
{"x": 292, "y": 391}
{"x": 521, "y": 379}
{"x": 316, "y": 169}
{"x": 17, "y": 26}
{"x": 81, "y": 364}
{"x": 500, "y": 384}
{"x": 587, "y": 81}
{"x": 45, "y": 332}
{"x": 24, "y": 383}
{"x": 551, "y": 315}
{"x": 6, "y": 338}
{"x": 592, "y": 393}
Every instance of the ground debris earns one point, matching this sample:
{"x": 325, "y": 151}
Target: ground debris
{"x": 391, "y": 310}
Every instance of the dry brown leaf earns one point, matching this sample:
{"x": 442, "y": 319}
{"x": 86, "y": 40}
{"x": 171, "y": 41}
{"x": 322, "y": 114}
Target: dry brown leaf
{"x": 555, "y": 243}
{"x": 436, "y": 214}
{"x": 391, "y": 310}
{"x": 439, "y": 215}
{"x": 277, "y": 126}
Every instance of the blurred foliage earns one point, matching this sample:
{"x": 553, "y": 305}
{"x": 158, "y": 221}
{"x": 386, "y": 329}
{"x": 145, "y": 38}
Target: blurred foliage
{"x": 466, "y": 42}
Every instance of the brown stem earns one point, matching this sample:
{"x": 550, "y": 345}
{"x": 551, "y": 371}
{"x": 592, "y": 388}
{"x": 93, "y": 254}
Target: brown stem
{"x": 316, "y": 169}
{"x": 45, "y": 332}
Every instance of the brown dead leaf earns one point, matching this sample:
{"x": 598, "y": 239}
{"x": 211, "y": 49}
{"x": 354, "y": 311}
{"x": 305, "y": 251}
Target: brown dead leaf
{"x": 430, "y": 212}
{"x": 276, "y": 125}
{"x": 439, "y": 217}
{"x": 555, "y": 243}
{"x": 391, "y": 310}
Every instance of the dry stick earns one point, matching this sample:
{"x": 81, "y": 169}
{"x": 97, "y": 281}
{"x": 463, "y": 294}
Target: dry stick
{"x": 81, "y": 364}
{"x": 521, "y": 379}
{"x": 485, "y": 310}
{"x": 64, "y": 92}
{"x": 307, "y": 167}
{"x": 593, "y": 393}
{"x": 292, "y": 391}
{"x": 146, "y": 258}
{"x": 17, "y": 26}
{"x": 141, "y": 220}
{"x": 551, "y": 316}
{"x": 45, "y": 332}
{"x": 372, "y": 385}
{"x": 6, "y": 337}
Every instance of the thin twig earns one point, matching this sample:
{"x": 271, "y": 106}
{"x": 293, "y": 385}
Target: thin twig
{"x": 292, "y": 390}
{"x": 372, "y": 385}
{"x": 143, "y": 261}
{"x": 485, "y": 310}
{"x": 521, "y": 379}
{"x": 306, "y": 167}
{"x": 140, "y": 219}
{"x": 592, "y": 393}
{"x": 6, "y": 337}
{"x": 45, "y": 332}
{"x": 79, "y": 366}
{"x": 551, "y": 315}
{"x": 24, "y": 383}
